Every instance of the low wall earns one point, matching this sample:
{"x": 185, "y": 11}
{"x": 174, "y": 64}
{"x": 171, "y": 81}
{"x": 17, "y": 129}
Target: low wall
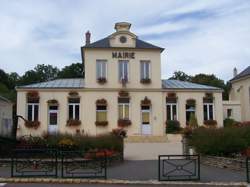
{"x": 223, "y": 162}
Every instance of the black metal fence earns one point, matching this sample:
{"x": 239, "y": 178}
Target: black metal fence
{"x": 248, "y": 169}
{"x": 178, "y": 167}
{"x": 76, "y": 164}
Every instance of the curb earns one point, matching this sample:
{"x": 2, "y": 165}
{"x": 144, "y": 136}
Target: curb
{"x": 115, "y": 181}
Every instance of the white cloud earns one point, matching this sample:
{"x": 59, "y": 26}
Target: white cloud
{"x": 52, "y": 32}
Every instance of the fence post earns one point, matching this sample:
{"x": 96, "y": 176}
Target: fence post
{"x": 247, "y": 170}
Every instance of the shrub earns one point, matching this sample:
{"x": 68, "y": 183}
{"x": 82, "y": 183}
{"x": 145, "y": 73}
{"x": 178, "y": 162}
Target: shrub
{"x": 193, "y": 121}
{"x": 220, "y": 142}
{"x": 228, "y": 122}
{"x": 210, "y": 123}
{"x": 173, "y": 126}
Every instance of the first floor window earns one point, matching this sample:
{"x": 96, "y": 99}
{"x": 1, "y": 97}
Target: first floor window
{"x": 229, "y": 113}
{"x": 101, "y": 113}
{"x": 171, "y": 111}
{"x": 33, "y": 109}
{"x": 101, "y": 69}
{"x": 123, "y": 110}
{"x": 145, "y": 69}
{"x": 145, "y": 114}
{"x": 208, "y": 109}
{"x": 123, "y": 70}
{"x": 74, "y": 108}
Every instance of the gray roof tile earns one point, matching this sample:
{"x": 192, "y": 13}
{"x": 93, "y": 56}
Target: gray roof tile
{"x": 104, "y": 43}
{"x": 58, "y": 83}
{"x": 177, "y": 84}
{"x": 244, "y": 73}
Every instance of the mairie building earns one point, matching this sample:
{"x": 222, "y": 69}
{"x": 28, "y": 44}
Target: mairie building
{"x": 122, "y": 88}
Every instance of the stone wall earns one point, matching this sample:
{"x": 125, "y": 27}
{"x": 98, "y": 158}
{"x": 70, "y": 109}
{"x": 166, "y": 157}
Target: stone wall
{"x": 238, "y": 164}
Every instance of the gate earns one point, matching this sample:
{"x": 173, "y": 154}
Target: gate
{"x": 248, "y": 169}
{"x": 178, "y": 167}
{"x": 76, "y": 164}
{"x": 34, "y": 163}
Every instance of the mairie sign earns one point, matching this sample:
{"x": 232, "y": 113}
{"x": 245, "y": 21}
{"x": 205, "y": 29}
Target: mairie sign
{"x": 123, "y": 55}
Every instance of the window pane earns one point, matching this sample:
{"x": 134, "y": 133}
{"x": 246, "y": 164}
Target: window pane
{"x": 71, "y": 112}
{"x": 211, "y": 112}
{"x": 104, "y": 69}
{"x": 98, "y": 69}
{"x": 174, "y": 117}
{"x": 101, "y": 107}
{"x": 120, "y": 111}
{"x": 168, "y": 112}
{"x": 145, "y": 117}
{"x": 125, "y": 71}
{"x": 36, "y": 109}
{"x": 53, "y": 107}
{"x": 101, "y": 116}
{"x": 77, "y": 111}
{"x": 53, "y": 118}
{"x": 142, "y": 71}
{"x": 145, "y": 107}
{"x": 120, "y": 70}
{"x": 30, "y": 112}
{"x": 126, "y": 112}
{"x": 147, "y": 70}
{"x": 205, "y": 112}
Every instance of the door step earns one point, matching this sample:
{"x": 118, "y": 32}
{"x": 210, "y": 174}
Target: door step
{"x": 146, "y": 139}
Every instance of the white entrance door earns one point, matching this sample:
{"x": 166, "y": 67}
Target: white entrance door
{"x": 145, "y": 117}
{"x": 53, "y": 119}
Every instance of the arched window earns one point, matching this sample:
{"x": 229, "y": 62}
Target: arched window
{"x": 190, "y": 109}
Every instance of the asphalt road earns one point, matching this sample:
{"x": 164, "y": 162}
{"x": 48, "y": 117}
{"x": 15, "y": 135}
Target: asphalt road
{"x": 102, "y": 185}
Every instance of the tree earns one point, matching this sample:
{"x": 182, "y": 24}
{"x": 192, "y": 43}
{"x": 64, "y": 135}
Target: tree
{"x": 180, "y": 75}
{"x": 46, "y": 72}
{"x": 74, "y": 70}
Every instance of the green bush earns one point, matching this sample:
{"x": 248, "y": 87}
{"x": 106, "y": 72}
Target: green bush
{"x": 228, "y": 122}
{"x": 220, "y": 142}
{"x": 173, "y": 126}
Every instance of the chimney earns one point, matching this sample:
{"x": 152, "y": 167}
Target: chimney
{"x": 235, "y": 72}
{"x": 87, "y": 38}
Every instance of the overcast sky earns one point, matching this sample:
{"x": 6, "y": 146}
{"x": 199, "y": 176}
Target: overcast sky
{"x": 199, "y": 36}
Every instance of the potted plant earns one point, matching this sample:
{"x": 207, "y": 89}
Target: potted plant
{"x": 124, "y": 122}
{"x": 146, "y": 81}
{"x": 210, "y": 123}
{"x": 101, "y": 123}
{"x": 73, "y": 122}
{"x": 32, "y": 124}
{"x": 102, "y": 80}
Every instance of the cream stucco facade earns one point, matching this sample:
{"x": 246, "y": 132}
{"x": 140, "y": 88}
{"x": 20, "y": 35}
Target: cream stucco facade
{"x": 114, "y": 50}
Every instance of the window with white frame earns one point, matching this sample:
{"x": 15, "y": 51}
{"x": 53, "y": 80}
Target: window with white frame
{"x": 74, "y": 108}
{"x": 101, "y": 69}
{"x": 123, "y": 70}
{"x": 208, "y": 110}
{"x": 171, "y": 111}
{"x": 145, "y": 69}
{"x": 123, "y": 108}
{"x": 33, "y": 109}
{"x": 101, "y": 113}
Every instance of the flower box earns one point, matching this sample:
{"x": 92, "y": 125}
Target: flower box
{"x": 102, "y": 80}
{"x": 210, "y": 123}
{"x": 146, "y": 81}
{"x": 73, "y": 122}
{"x": 32, "y": 124}
{"x": 124, "y": 122}
{"x": 123, "y": 93}
{"x": 101, "y": 123}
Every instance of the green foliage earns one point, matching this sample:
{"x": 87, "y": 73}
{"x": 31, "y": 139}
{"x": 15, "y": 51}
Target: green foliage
{"x": 193, "y": 121}
{"x": 74, "y": 70}
{"x": 228, "y": 122}
{"x": 180, "y": 75}
{"x": 220, "y": 142}
{"x": 173, "y": 126}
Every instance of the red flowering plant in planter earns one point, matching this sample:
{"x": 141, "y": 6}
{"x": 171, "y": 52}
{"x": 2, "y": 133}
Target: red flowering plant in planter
{"x": 32, "y": 124}
{"x": 73, "y": 122}
{"x": 210, "y": 123}
{"x": 33, "y": 97}
{"x": 145, "y": 80}
{"x": 102, "y": 80}
{"x": 124, "y": 122}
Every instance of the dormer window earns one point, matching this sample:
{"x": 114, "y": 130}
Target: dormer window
{"x": 123, "y": 39}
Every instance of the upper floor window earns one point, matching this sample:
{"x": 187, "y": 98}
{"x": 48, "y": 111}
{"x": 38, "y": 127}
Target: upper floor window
{"x": 123, "y": 70}
{"x": 74, "y": 108}
{"x": 145, "y": 69}
{"x": 101, "y": 69}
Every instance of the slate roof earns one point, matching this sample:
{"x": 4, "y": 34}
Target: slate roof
{"x": 177, "y": 84}
{"x": 58, "y": 83}
{"x": 104, "y": 43}
{"x": 244, "y": 73}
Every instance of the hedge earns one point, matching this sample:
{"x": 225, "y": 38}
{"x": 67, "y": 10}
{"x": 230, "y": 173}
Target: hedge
{"x": 220, "y": 142}
{"x": 173, "y": 126}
